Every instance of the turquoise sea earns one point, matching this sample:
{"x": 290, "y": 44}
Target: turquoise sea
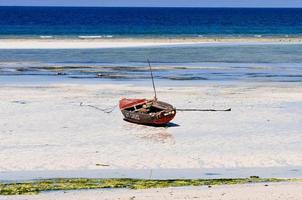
{"x": 257, "y": 62}
{"x": 202, "y": 63}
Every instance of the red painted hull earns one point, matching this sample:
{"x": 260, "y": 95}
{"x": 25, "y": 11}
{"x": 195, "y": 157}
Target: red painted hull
{"x": 160, "y": 113}
{"x": 127, "y": 103}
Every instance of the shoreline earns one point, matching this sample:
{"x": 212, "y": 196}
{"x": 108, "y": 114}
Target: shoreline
{"x": 94, "y": 43}
{"x": 290, "y": 172}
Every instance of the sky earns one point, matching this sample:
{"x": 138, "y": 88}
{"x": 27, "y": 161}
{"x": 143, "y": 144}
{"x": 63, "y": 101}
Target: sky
{"x": 156, "y": 3}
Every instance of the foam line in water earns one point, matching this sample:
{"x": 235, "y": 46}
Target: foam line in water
{"x": 94, "y": 36}
{"x": 46, "y": 36}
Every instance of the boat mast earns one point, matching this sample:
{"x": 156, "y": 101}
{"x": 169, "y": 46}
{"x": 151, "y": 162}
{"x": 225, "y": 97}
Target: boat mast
{"x": 155, "y": 97}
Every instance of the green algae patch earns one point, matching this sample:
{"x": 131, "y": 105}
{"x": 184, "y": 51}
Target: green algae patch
{"x": 36, "y": 186}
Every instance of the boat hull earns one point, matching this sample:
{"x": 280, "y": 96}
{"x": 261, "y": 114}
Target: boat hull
{"x": 148, "y": 120}
{"x": 158, "y": 118}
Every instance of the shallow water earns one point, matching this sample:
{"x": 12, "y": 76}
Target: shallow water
{"x": 203, "y": 173}
{"x": 224, "y": 62}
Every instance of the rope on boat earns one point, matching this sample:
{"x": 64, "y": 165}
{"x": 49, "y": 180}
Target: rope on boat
{"x": 206, "y": 110}
{"x": 107, "y": 110}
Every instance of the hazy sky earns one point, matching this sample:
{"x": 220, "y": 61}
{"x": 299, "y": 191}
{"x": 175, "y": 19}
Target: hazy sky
{"x": 155, "y": 3}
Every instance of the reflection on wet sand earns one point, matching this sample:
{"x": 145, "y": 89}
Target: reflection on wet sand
{"x": 160, "y": 137}
{"x": 152, "y": 133}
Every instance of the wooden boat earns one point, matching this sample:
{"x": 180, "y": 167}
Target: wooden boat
{"x": 148, "y": 112}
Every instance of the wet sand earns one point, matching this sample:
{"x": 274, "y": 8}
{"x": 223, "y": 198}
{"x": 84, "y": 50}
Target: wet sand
{"x": 43, "y": 127}
{"x": 46, "y": 133}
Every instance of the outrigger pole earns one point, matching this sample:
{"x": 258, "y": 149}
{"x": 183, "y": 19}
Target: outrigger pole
{"x": 152, "y": 79}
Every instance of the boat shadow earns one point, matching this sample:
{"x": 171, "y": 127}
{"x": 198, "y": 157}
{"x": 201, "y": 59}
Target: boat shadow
{"x": 171, "y": 124}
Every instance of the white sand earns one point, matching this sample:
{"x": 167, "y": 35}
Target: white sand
{"x": 44, "y": 128}
{"x": 273, "y": 191}
{"x": 79, "y": 43}
{"x": 57, "y": 43}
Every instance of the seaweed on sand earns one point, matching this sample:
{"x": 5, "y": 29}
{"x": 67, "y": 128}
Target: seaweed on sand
{"x": 36, "y": 186}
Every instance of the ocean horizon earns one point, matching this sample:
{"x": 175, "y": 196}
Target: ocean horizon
{"x": 116, "y": 22}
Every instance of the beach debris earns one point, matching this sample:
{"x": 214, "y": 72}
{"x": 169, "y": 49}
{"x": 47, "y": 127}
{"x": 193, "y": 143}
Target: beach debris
{"x": 19, "y": 102}
{"x": 101, "y": 165}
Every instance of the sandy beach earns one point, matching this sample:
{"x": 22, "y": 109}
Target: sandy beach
{"x": 93, "y": 43}
{"x": 43, "y": 127}
{"x": 64, "y": 69}
{"x": 272, "y": 191}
